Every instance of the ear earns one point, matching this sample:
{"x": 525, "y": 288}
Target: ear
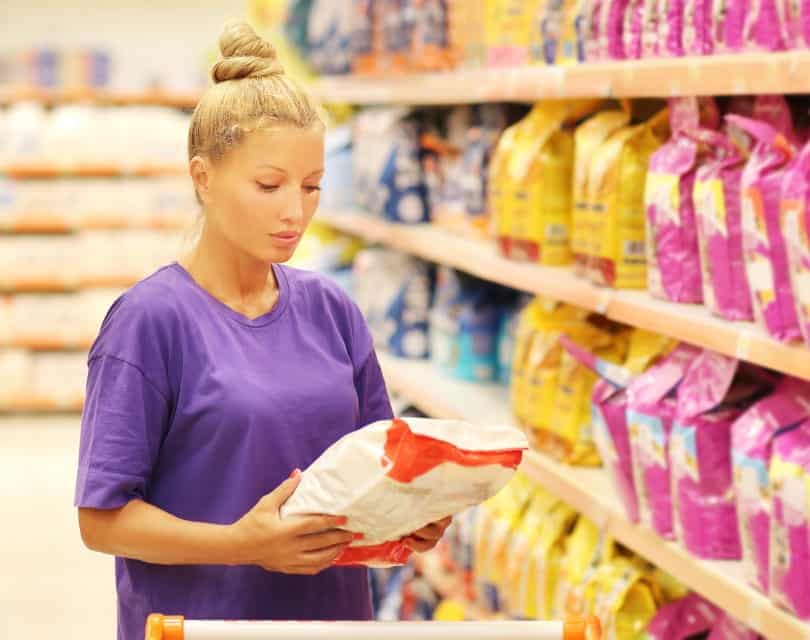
{"x": 200, "y": 170}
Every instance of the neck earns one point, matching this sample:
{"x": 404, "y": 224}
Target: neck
{"x": 226, "y": 273}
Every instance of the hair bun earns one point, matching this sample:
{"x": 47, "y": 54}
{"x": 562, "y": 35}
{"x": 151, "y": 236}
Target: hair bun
{"x": 245, "y": 55}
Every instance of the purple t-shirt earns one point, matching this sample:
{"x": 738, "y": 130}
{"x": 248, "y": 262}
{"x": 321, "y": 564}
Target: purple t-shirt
{"x": 200, "y": 411}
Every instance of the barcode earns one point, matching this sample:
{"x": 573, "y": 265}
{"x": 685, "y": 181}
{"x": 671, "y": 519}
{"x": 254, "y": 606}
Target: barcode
{"x": 634, "y": 248}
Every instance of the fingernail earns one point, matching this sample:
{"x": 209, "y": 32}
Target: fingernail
{"x": 342, "y": 520}
{"x": 359, "y": 536}
{"x": 295, "y": 473}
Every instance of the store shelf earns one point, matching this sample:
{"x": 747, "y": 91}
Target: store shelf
{"x": 39, "y": 406}
{"x": 712, "y": 75}
{"x": 174, "y": 99}
{"x": 51, "y": 285}
{"x": 585, "y": 490}
{"x": 58, "y": 225}
{"x": 46, "y": 344}
{"x": 47, "y": 170}
{"x": 690, "y": 323}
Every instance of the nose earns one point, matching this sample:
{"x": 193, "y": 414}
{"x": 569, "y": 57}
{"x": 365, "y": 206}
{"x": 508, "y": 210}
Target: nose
{"x": 293, "y": 211}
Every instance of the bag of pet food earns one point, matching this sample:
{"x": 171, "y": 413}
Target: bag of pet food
{"x": 790, "y": 521}
{"x": 366, "y": 37}
{"x": 683, "y": 619}
{"x": 795, "y": 210}
{"x": 588, "y": 137}
{"x": 571, "y": 47}
{"x": 699, "y": 27}
{"x": 609, "y": 407}
{"x": 430, "y": 45}
{"x": 727, "y": 628}
{"x": 499, "y": 188}
{"x": 393, "y": 477}
{"x": 763, "y": 243}
{"x": 610, "y": 33}
{"x": 616, "y": 180}
{"x": 539, "y": 172}
{"x": 621, "y": 598}
{"x": 652, "y": 15}
{"x": 751, "y": 441}
{"x": 508, "y": 27}
{"x": 717, "y": 199}
{"x": 765, "y": 27}
{"x": 549, "y": 556}
{"x": 671, "y": 28}
{"x": 632, "y": 29}
{"x": 673, "y": 256}
{"x": 651, "y": 409}
{"x": 709, "y": 401}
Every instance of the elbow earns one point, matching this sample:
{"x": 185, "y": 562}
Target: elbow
{"x": 91, "y": 529}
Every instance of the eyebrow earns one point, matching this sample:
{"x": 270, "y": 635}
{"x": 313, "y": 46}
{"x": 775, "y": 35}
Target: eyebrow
{"x": 280, "y": 170}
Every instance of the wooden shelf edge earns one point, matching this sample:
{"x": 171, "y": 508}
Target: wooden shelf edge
{"x": 584, "y": 489}
{"x": 161, "y": 98}
{"x": 689, "y": 323}
{"x": 46, "y": 171}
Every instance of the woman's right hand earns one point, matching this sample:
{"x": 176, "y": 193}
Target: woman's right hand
{"x": 301, "y": 545}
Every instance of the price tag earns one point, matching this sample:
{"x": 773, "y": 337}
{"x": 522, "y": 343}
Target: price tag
{"x": 743, "y": 350}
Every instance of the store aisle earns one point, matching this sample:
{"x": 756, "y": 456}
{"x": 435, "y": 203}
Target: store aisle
{"x": 51, "y": 586}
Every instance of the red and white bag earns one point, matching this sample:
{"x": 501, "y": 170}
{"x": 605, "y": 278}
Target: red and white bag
{"x": 394, "y": 477}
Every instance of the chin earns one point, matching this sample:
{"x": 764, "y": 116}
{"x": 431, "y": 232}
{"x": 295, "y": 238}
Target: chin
{"x": 281, "y": 256}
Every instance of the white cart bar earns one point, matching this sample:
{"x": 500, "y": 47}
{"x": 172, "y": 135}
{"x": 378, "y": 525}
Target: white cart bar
{"x": 160, "y": 627}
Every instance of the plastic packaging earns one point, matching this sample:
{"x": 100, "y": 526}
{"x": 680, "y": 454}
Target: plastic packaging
{"x": 508, "y": 28}
{"x": 717, "y": 200}
{"x": 652, "y": 405}
{"x": 393, "y": 477}
{"x": 671, "y": 28}
{"x": 588, "y": 137}
{"x": 616, "y": 180}
{"x": 765, "y": 26}
{"x": 571, "y": 48}
{"x": 673, "y": 260}
{"x": 790, "y": 522}
{"x": 751, "y": 441}
{"x": 727, "y": 628}
{"x": 709, "y": 401}
{"x": 683, "y": 619}
{"x": 765, "y": 251}
{"x": 795, "y": 210}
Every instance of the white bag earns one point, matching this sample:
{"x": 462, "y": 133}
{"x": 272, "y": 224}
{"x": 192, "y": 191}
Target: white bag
{"x": 394, "y": 477}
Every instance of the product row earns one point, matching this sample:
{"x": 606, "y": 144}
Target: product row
{"x": 80, "y": 134}
{"x": 77, "y": 203}
{"x": 43, "y": 381}
{"x": 52, "y": 68}
{"x": 383, "y": 36}
{"x": 529, "y": 555}
{"x": 703, "y": 202}
{"x": 86, "y": 259}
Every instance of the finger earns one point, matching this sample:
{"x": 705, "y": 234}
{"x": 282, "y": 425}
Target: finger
{"x": 322, "y": 557}
{"x": 445, "y": 522}
{"x": 430, "y": 532}
{"x": 316, "y": 541}
{"x": 306, "y": 525}
{"x": 283, "y": 492}
{"x": 418, "y": 544}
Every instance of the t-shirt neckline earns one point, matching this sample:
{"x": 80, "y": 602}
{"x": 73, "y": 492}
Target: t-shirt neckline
{"x": 260, "y": 321}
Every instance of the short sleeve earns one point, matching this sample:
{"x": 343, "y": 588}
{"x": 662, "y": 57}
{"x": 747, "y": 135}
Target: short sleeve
{"x": 372, "y": 393}
{"x": 123, "y": 424}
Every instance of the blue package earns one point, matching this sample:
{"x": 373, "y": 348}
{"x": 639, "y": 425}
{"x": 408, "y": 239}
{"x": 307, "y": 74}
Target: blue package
{"x": 402, "y": 180}
{"x": 329, "y": 37}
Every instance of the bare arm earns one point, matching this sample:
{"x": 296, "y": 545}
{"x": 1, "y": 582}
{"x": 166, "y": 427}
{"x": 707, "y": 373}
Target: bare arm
{"x": 141, "y": 531}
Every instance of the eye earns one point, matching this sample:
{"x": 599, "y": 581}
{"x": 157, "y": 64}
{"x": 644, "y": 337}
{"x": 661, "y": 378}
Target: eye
{"x": 312, "y": 188}
{"x": 267, "y": 187}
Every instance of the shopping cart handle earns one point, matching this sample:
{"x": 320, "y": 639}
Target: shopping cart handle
{"x": 159, "y": 627}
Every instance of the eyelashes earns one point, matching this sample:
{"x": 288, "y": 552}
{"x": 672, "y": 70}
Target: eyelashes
{"x": 270, "y": 188}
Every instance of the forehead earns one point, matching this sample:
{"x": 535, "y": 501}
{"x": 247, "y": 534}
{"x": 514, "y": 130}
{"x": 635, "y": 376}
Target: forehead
{"x": 294, "y": 150}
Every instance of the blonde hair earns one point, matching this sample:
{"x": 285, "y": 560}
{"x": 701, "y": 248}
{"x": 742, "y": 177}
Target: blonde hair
{"x": 250, "y": 91}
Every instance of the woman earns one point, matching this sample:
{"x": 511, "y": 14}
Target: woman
{"x": 217, "y": 376}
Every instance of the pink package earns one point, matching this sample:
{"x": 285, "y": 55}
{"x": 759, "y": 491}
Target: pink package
{"x": 764, "y": 247}
{"x": 595, "y": 49}
{"x": 651, "y": 408}
{"x": 673, "y": 261}
{"x": 709, "y": 400}
{"x": 790, "y": 523}
{"x": 613, "y": 15}
{"x": 765, "y": 27}
{"x": 795, "y": 210}
{"x": 698, "y": 27}
{"x": 729, "y": 25}
{"x": 751, "y": 440}
{"x": 671, "y": 28}
{"x": 632, "y": 29}
{"x": 683, "y": 619}
{"x": 651, "y": 16}
{"x": 717, "y": 203}
{"x": 727, "y": 628}
{"x": 609, "y": 418}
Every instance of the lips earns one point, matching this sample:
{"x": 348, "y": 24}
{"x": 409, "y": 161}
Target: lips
{"x": 286, "y": 236}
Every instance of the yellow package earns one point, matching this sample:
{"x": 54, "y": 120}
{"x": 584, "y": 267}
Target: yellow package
{"x": 548, "y": 555}
{"x": 520, "y": 578}
{"x": 665, "y": 587}
{"x": 620, "y": 597}
{"x": 466, "y": 29}
{"x": 507, "y": 32}
{"x": 587, "y": 139}
{"x": 539, "y": 175}
{"x": 571, "y": 47}
{"x": 525, "y": 334}
{"x": 498, "y": 187}
{"x": 570, "y": 436}
{"x": 616, "y": 182}
{"x": 586, "y": 549}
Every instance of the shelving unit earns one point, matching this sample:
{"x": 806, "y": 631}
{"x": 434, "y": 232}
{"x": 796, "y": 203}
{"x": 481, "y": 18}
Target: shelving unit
{"x": 48, "y": 170}
{"x": 787, "y": 72}
{"x": 585, "y": 490}
{"x": 157, "y": 97}
{"x": 690, "y": 323}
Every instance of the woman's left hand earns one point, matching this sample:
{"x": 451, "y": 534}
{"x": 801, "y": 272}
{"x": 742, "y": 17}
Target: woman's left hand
{"x": 428, "y": 537}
